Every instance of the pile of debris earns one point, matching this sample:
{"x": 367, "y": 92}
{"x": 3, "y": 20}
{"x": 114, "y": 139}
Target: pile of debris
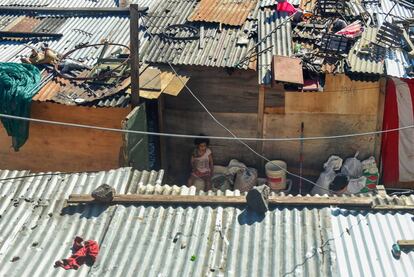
{"x": 355, "y": 37}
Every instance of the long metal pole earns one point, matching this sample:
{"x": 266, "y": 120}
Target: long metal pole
{"x": 302, "y": 129}
{"x": 134, "y": 58}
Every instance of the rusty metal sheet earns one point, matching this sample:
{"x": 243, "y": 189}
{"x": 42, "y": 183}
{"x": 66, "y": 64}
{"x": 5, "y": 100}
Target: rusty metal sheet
{"x": 229, "y": 12}
{"x": 286, "y": 69}
{"x": 67, "y": 92}
{"x": 23, "y": 24}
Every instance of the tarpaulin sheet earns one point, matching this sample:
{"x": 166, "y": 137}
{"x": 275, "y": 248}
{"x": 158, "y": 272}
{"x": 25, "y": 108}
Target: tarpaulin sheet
{"x": 18, "y": 84}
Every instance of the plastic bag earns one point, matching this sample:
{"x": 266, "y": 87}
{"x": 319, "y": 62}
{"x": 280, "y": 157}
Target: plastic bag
{"x": 324, "y": 181}
{"x": 333, "y": 162}
{"x": 352, "y": 167}
{"x": 246, "y": 179}
{"x": 326, "y": 178}
{"x": 370, "y": 166}
{"x": 356, "y": 185}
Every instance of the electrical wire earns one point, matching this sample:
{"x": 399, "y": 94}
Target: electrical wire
{"x": 186, "y": 136}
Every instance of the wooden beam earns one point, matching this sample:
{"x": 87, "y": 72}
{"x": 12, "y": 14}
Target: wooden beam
{"x": 10, "y": 34}
{"x": 134, "y": 61}
{"x": 380, "y": 117}
{"x": 405, "y": 243}
{"x": 161, "y": 128}
{"x": 393, "y": 208}
{"x": 69, "y": 11}
{"x": 225, "y": 200}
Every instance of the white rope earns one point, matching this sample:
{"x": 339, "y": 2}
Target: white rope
{"x": 174, "y": 135}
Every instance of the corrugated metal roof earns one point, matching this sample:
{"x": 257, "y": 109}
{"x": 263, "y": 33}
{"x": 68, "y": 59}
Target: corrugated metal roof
{"x": 364, "y": 240}
{"x": 278, "y": 43}
{"x": 354, "y": 8}
{"x": 381, "y": 11}
{"x": 398, "y": 10}
{"x": 371, "y": 62}
{"x": 59, "y": 3}
{"x": 230, "y": 12}
{"x": 398, "y": 64}
{"x": 216, "y": 47}
{"x": 36, "y": 229}
{"x": 222, "y": 48}
{"x": 75, "y": 3}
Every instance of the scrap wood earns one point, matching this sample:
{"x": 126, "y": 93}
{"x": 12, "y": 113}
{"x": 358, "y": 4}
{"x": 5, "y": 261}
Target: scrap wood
{"x": 224, "y": 200}
{"x": 405, "y": 243}
{"x": 393, "y": 207}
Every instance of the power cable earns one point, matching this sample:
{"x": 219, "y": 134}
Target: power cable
{"x": 186, "y": 136}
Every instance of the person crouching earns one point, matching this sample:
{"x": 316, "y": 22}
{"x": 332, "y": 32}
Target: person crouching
{"x": 201, "y": 163}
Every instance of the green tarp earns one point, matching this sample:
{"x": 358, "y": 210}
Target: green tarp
{"x": 18, "y": 84}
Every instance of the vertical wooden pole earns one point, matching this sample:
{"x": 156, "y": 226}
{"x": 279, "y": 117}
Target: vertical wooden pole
{"x": 161, "y": 128}
{"x": 134, "y": 56}
{"x": 260, "y": 119}
{"x": 380, "y": 117}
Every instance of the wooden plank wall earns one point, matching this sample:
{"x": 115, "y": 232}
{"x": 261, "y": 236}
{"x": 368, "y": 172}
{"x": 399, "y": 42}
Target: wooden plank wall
{"x": 233, "y": 98}
{"x": 344, "y": 107}
{"x": 57, "y": 148}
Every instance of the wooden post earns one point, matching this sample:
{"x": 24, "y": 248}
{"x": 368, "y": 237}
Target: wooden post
{"x": 260, "y": 119}
{"x": 380, "y": 117}
{"x": 163, "y": 149}
{"x": 134, "y": 56}
{"x": 225, "y": 200}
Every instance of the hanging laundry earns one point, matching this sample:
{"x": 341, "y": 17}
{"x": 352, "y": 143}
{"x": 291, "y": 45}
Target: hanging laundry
{"x": 18, "y": 84}
{"x": 285, "y": 7}
{"x": 82, "y": 252}
{"x": 398, "y": 147}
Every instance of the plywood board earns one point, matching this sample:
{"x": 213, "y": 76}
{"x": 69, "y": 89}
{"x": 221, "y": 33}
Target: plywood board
{"x": 317, "y": 152}
{"x": 287, "y": 69}
{"x": 341, "y": 95}
{"x": 219, "y": 91}
{"x": 57, "y": 148}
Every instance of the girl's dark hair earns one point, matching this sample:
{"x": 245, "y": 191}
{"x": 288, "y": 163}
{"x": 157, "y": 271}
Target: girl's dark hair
{"x": 198, "y": 141}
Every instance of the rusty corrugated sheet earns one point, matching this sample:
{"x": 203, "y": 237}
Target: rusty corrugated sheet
{"x": 62, "y": 91}
{"x": 23, "y": 24}
{"x": 37, "y": 228}
{"x": 230, "y": 12}
{"x": 364, "y": 58}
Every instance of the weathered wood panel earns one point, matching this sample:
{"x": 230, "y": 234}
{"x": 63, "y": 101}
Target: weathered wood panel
{"x": 275, "y": 97}
{"x": 340, "y": 96}
{"x": 58, "y": 148}
{"x": 344, "y": 107}
{"x": 342, "y": 83}
{"x": 317, "y": 152}
{"x": 219, "y": 91}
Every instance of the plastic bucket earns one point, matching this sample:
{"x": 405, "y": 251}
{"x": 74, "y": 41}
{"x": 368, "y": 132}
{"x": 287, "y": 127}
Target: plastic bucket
{"x": 276, "y": 177}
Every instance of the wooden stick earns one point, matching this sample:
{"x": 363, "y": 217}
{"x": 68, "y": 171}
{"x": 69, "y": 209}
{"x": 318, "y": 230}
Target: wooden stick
{"x": 223, "y": 200}
{"x": 393, "y": 207}
{"x": 405, "y": 243}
